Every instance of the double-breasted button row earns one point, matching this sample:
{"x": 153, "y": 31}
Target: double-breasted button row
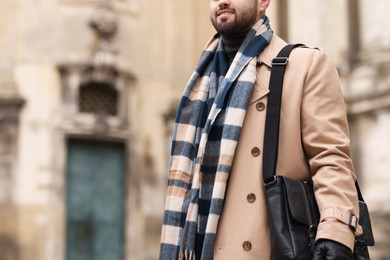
{"x": 247, "y": 245}
{"x": 255, "y": 151}
{"x": 260, "y": 106}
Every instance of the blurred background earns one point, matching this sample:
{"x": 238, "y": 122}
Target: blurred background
{"x": 88, "y": 94}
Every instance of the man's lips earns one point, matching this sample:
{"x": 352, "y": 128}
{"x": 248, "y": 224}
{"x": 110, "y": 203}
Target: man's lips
{"x": 225, "y": 12}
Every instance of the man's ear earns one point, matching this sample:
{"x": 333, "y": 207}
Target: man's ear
{"x": 264, "y": 5}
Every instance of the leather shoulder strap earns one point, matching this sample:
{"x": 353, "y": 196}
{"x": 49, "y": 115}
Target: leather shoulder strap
{"x": 271, "y": 134}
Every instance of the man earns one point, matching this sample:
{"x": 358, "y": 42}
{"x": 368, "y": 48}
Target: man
{"x": 215, "y": 207}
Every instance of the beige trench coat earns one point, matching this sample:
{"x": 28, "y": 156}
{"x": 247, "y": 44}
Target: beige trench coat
{"x": 314, "y": 142}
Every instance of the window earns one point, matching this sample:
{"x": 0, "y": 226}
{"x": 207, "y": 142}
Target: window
{"x": 98, "y": 98}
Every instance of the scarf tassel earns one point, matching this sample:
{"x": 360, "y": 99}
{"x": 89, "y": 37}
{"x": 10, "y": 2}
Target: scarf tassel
{"x": 187, "y": 255}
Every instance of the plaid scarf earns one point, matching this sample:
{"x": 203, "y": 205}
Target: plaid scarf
{"x": 207, "y": 129}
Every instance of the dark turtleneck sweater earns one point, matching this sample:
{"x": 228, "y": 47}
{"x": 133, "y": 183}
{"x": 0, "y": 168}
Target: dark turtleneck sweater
{"x": 232, "y": 43}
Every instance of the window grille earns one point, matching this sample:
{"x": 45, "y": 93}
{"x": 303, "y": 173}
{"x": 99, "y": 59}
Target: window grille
{"x": 98, "y": 98}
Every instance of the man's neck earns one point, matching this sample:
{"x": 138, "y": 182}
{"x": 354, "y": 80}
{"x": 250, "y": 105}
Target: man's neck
{"x": 232, "y": 43}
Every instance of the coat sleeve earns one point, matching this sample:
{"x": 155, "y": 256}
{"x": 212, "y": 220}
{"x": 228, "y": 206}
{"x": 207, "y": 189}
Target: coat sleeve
{"x": 326, "y": 143}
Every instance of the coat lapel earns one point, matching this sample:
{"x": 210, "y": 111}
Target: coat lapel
{"x": 263, "y": 68}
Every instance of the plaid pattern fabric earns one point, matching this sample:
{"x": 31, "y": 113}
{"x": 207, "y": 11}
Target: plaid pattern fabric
{"x": 207, "y": 129}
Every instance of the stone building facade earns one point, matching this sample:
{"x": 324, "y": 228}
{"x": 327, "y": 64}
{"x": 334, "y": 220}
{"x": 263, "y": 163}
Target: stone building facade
{"x": 88, "y": 93}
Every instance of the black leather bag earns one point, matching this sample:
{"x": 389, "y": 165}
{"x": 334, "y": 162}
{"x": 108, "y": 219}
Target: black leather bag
{"x": 292, "y": 208}
{"x": 294, "y": 217}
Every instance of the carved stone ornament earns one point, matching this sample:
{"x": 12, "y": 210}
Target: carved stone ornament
{"x": 104, "y": 22}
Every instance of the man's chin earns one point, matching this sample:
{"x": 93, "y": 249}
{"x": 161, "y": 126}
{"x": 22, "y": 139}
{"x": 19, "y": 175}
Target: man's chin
{"x": 225, "y": 28}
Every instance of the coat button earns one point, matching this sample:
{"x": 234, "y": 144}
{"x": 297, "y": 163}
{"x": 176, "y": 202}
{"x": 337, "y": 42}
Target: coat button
{"x": 251, "y": 197}
{"x": 247, "y": 245}
{"x": 260, "y": 106}
{"x": 255, "y": 151}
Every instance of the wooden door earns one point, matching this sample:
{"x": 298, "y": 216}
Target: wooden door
{"x": 95, "y": 200}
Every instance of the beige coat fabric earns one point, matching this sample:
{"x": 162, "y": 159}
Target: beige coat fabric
{"x": 313, "y": 142}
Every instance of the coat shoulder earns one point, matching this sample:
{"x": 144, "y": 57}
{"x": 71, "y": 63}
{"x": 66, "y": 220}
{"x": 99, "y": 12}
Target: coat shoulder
{"x": 299, "y": 55}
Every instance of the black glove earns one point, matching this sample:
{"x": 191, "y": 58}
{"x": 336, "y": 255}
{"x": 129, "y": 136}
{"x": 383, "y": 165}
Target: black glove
{"x": 331, "y": 250}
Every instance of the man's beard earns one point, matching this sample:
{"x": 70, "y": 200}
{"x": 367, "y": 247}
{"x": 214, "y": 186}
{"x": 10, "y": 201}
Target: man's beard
{"x": 242, "y": 22}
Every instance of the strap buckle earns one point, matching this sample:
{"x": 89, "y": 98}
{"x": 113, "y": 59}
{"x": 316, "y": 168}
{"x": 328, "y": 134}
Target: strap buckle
{"x": 270, "y": 181}
{"x": 353, "y": 222}
{"x": 279, "y": 61}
